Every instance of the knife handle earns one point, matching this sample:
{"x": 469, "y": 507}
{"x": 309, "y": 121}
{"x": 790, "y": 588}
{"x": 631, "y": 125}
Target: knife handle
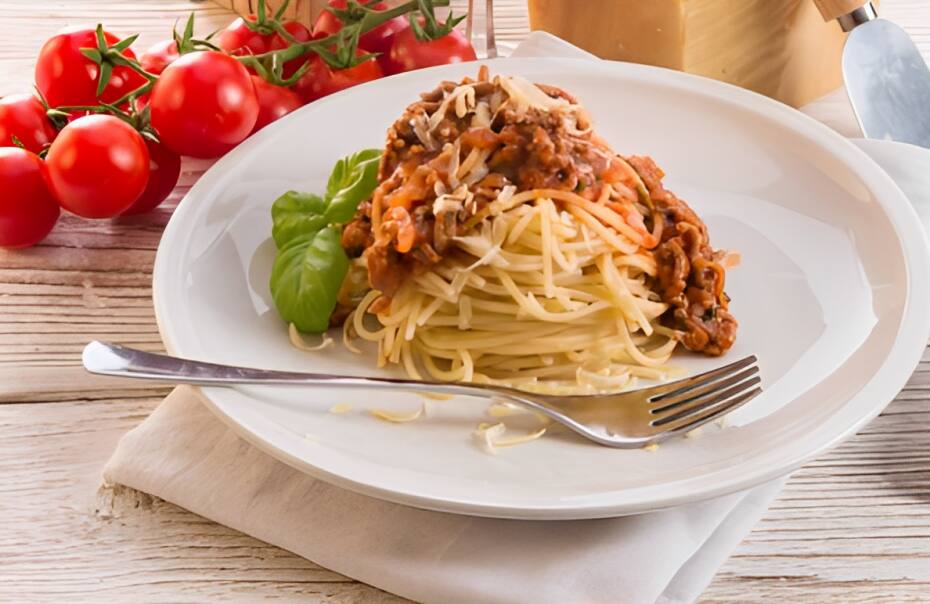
{"x": 834, "y": 9}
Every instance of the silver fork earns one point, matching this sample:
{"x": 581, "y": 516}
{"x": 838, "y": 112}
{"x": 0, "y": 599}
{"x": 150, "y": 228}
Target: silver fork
{"x": 487, "y": 49}
{"x": 625, "y": 420}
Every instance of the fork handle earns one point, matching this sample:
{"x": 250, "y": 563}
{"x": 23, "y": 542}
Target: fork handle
{"x": 120, "y": 361}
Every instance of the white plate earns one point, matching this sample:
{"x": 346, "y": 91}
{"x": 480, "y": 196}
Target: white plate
{"x": 826, "y": 297}
{"x": 909, "y": 166}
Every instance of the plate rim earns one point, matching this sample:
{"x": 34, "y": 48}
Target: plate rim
{"x": 913, "y": 329}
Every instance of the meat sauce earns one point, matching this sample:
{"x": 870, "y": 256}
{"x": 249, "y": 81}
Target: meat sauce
{"x": 690, "y": 278}
{"x": 526, "y": 149}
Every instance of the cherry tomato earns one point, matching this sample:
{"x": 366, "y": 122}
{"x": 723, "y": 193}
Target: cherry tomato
{"x": 66, "y": 77}
{"x": 98, "y": 166}
{"x": 204, "y": 104}
{"x": 159, "y": 55}
{"x": 299, "y": 32}
{"x": 327, "y": 23}
{"x": 78, "y": 113}
{"x": 376, "y": 40}
{"x": 164, "y": 170}
{"x": 407, "y": 53}
{"x": 321, "y": 80}
{"x": 23, "y": 116}
{"x": 27, "y": 209}
{"x": 141, "y": 101}
{"x": 274, "y": 102}
{"x": 237, "y": 39}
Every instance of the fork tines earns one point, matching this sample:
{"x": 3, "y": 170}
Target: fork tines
{"x": 687, "y": 404}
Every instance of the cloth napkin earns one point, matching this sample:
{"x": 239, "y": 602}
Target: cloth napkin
{"x": 185, "y": 455}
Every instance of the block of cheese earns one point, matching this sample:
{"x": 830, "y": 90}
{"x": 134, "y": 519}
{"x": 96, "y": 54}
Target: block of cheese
{"x": 781, "y": 48}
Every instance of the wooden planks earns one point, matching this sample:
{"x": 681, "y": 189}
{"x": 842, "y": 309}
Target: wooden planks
{"x": 850, "y": 527}
{"x": 62, "y": 539}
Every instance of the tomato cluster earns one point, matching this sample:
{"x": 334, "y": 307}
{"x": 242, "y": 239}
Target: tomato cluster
{"x": 398, "y": 44}
{"x": 105, "y": 134}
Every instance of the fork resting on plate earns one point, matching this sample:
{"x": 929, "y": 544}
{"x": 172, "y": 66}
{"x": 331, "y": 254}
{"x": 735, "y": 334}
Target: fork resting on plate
{"x": 625, "y": 420}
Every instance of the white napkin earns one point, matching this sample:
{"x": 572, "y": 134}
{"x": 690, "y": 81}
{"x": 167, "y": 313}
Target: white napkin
{"x": 185, "y": 455}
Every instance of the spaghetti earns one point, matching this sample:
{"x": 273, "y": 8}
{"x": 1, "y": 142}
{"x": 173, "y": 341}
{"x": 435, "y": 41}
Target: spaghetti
{"x": 507, "y": 243}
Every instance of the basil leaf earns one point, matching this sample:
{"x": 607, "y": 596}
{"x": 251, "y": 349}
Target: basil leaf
{"x": 295, "y": 214}
{"x": 311, "y": 264}
{"x": 353, "y": 180}
{"x": 342, "y": 175}
{"x": 306, "y": 278}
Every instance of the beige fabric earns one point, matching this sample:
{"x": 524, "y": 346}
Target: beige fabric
{"x": 184, "y": 454}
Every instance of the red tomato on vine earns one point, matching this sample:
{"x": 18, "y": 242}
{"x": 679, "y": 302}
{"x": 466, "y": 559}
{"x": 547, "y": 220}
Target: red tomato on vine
{"x": 238, "y": 38}
{"x": 27, "y": 209}
{"x": 322, "y": 80}
{"x": 164, "y": 171}
{"x": 98, "y": 166}
{"x": 65, "y": 76}
{"x": 416, "y": 48}
{"x": 160, "y": 55}
{"x": 204, "y": 104}
{"x": 376, "y": 40}
{"x": 274, "y": 102}
{"x": 299, "y": 32}
{"x": 23, "y": 119}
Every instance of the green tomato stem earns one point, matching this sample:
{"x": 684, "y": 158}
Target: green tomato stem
{"x": 369, "y": 22}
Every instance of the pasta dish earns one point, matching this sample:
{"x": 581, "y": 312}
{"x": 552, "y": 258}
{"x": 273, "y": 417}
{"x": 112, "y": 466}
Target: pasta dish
{"x": 506, "y": 242}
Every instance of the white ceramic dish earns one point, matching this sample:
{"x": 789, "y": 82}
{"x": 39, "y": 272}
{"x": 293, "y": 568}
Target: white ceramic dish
{"x": 831, "y": 296}
{"x": 909, "y": 166}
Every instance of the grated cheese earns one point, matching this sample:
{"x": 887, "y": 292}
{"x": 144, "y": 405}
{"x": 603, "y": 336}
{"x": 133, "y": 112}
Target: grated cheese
{"x": 486, "y": 433}
{"x": 490, "y": 436}
{"x": 399, "y": 418}
{"x": 340, "y": 408}
{"x": 298, "y": 342}
{"x": 526, "y": 95}
{"x": 451, "y": 97}
{"x": 501, "y": 409}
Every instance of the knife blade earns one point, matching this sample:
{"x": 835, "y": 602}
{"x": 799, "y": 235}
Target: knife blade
{"x": 888, "y": 83}
{"x": 887, "y": 79}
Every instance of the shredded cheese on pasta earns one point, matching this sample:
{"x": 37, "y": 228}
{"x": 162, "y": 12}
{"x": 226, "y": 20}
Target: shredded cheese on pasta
{"x": 544, "y": 290}
{"x": 528, "y": 297}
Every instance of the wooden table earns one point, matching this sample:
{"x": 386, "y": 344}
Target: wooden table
{"x": 852, "y": 526}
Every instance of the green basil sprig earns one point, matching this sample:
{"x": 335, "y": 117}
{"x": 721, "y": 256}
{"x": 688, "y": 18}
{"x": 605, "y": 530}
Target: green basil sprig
{"x": 353, "y": 180}
{"x": 311, "y": 265}
{"x": 295, "y": 214}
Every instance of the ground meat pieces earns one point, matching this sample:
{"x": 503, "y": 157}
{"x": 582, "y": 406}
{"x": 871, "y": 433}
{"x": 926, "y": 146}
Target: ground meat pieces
{"x": 673, "y": 270}
{"x": 356, "y": 236}
{"x": 444, "y": 229}
{"x": 383, "y": 271}
{"x": 480, "y": 138}
{"x": 688, "y": 279}
{"x": 532, "y": 149}
{"x": 428, "y": 196}
{"x": 537, "y": 153}
{"x": 422, "y": 223}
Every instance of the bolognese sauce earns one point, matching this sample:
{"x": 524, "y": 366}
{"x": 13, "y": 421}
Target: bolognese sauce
{"x": 443, "y": 166}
